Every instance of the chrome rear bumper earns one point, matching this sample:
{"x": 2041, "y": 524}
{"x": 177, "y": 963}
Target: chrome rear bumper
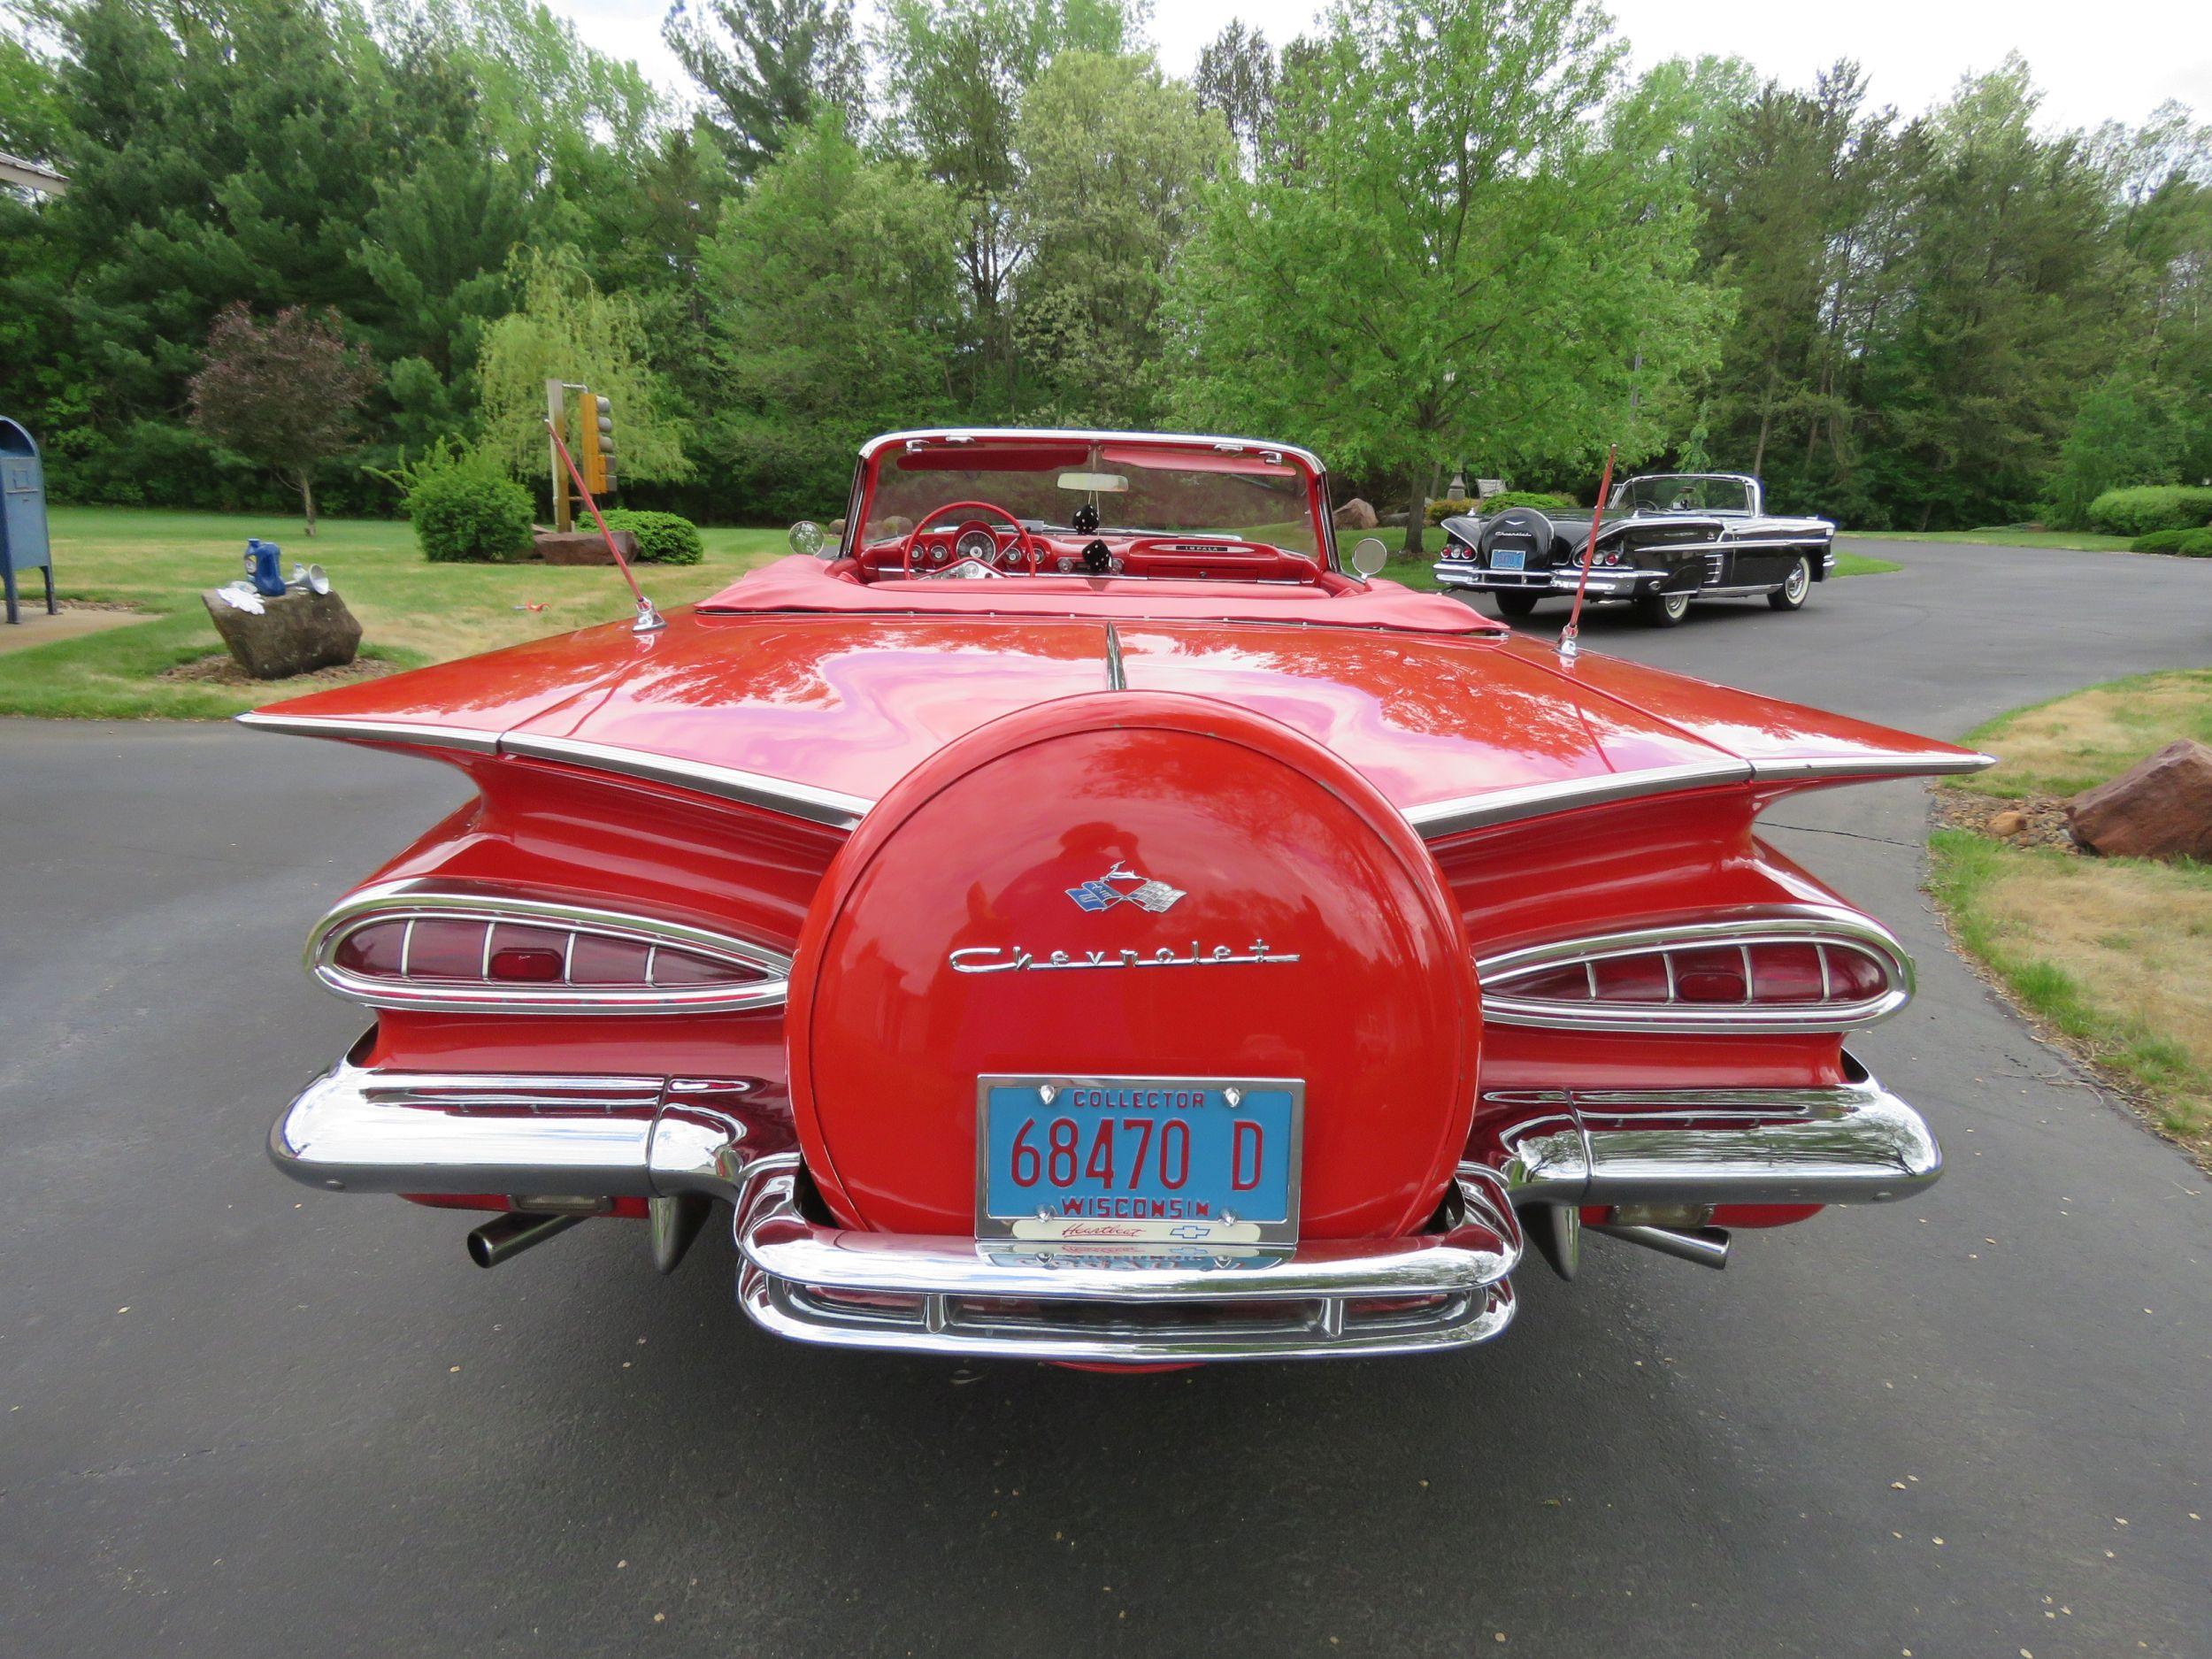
{"x": 1129, "y": 1305}
{"x": 1855, "y": 1143}
{"x": 529, "y": 1136}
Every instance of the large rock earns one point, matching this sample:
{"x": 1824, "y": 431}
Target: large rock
{"x": 2160, "y": 808}
{"x": 1355, "y": 514}
{"x": 582, "y": 547}
{"x": 293, "y": 634}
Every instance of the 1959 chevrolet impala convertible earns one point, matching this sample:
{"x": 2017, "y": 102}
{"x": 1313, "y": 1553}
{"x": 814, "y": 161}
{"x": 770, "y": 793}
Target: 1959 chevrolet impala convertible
{"x": 1077, "y": 917}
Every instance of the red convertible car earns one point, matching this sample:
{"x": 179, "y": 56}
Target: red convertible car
{"x": 1079, "y": 916}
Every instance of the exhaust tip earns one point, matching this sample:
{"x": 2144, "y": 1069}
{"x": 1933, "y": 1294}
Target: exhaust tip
{"x": 505, "y": 1237}
{"x": 1706, "y": 1246}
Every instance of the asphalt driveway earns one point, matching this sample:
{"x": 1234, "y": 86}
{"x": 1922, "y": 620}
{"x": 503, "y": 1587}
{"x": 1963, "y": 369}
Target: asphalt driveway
{"x": 239, "y": 1417}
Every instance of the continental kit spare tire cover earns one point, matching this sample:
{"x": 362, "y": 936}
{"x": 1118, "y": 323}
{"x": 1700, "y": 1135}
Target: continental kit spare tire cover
{"x": 992, "y": 917}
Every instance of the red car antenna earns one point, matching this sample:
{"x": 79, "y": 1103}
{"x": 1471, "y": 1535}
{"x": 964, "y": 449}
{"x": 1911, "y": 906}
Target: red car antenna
{"x": 1570, "y": 635}
{"x": 648, "y": 618}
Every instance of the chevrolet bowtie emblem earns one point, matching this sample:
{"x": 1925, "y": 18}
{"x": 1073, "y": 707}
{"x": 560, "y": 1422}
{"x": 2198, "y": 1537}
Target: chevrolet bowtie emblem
{"x": 1100, "y": 894}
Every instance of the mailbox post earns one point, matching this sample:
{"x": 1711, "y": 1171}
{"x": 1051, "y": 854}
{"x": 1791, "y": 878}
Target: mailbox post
{"x": 23, "y": 543}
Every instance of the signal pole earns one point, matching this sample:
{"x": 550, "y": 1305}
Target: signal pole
{"x": 557, "y": 417}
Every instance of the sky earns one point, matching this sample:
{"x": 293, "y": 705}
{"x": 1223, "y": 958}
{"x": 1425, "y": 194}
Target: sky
{"x": 2106, "y": 60}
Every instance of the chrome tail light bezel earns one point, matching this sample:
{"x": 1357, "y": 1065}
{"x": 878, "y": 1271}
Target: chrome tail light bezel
{"x": 417, "y": 900}
{"x": 1828, "y": 927}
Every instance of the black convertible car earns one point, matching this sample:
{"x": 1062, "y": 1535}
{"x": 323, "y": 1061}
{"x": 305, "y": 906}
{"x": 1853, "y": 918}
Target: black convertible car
{"x": 1667, "y": 538}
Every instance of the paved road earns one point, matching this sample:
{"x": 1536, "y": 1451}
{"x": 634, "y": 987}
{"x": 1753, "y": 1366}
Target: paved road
{"x": 242, "y": 1418}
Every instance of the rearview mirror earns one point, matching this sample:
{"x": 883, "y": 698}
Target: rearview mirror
{"x": 807, "y": 539}
{"x": 1369, "y": 556}
{"x": 1096, "y": 483}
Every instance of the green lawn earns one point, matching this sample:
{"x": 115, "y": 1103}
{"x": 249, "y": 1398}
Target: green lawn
{"x": 2114, "y": 954}
{"x": 2001, "y": 535}
{"x": 2081, "y": 740}
{"x": 411, "y": 612}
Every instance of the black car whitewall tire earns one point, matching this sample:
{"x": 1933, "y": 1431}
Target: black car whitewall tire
{"x": 1663, "y": 610}
{"x": 1791, "y": 594}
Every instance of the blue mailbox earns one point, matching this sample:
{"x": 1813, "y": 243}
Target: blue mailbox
{"x": 23, "y": 545}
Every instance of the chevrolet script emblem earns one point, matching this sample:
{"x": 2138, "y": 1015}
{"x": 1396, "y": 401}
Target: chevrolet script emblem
{"x": 1100, "y": 894}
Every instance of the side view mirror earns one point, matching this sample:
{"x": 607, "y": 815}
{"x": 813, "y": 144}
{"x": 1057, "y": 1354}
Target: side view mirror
{"x": 807, "y": 539}
{"x": 1369, "y": 556}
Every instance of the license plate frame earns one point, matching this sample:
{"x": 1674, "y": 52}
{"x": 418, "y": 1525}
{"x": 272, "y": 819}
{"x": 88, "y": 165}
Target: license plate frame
{"x": 1278, "y": 1103}
{"x": 1508, "y": 559}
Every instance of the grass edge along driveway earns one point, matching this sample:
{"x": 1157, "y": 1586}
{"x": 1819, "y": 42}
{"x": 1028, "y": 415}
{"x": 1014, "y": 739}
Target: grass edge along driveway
{"x": 411, "y": 612}
{"x": 2112, "y": 957}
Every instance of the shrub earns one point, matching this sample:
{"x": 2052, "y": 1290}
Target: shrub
{"x": 2196, "y": 544}
{"x": 2147, "y": 509}
{"x": 663, "y": 538}
{"x": 1443, "y": 507}
{"x": 464, "y": 507}
{"x": 1543, "y": 501}
{"x": 2159, "y": 541}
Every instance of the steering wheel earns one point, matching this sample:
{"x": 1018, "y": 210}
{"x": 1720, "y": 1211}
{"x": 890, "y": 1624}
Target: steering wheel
{"x": 1026, "y": 541}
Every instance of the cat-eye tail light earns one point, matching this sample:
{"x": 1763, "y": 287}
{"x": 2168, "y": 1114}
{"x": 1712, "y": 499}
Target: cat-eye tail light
{"x": 1795, "y": 968}
{"x": 407, "y": 945}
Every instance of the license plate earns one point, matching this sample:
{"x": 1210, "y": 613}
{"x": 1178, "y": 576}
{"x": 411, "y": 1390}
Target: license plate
{"x": 1508, "y": 559}
{"x": 1106, "y": 1160}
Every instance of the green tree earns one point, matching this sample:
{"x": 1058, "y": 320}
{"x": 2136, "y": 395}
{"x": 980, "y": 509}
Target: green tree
{"x": 766, "y": 64}
{"x": 1465, "y": 251}
{"x": 2126, "y": 432}
{"x": 1236, "y": 76}
{"x": 2014, "y": 308}
{"x": 566, "y": 329}
{"x": 436, "y": 246}
{"x": 832, "y": 293}
{"x": 1113, "y": 158}
{"x": 956, "y": 72}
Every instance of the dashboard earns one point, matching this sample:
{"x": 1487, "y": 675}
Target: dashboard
{"x": 957, "y": 550}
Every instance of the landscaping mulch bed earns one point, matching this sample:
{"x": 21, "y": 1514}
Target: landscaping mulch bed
{"x": 2031, "y": 820}
{"x": 221, "y": 670}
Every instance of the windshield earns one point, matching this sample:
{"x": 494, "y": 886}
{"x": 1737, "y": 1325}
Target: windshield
{"x": 1132, "y": 486}
{"x": 1685, "y": 492}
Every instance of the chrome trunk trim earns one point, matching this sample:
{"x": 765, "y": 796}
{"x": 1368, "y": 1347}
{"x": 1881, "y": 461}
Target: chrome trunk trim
{"x": 1781, "y": 769}
{"x": 415, "y": 735}
{"x": 1439, "y": 819}
{"x": 775, "y": 794}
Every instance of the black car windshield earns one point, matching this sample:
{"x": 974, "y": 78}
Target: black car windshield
{"x": 1132, "y": 485}
{"x": 1685, "y": 492}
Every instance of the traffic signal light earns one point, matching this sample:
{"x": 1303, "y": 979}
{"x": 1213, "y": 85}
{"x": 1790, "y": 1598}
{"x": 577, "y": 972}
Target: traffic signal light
{"x": 598, "y": 445}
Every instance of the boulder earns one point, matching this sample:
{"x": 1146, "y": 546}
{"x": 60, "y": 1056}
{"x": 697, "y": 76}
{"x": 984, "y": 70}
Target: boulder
{"x": 582, "y": 547}
{"x": 2009, "y": 823}
{"x": 295, "y": 633}
{"x": 2160, "y": 807}
{"x": 1355, "y": 515}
